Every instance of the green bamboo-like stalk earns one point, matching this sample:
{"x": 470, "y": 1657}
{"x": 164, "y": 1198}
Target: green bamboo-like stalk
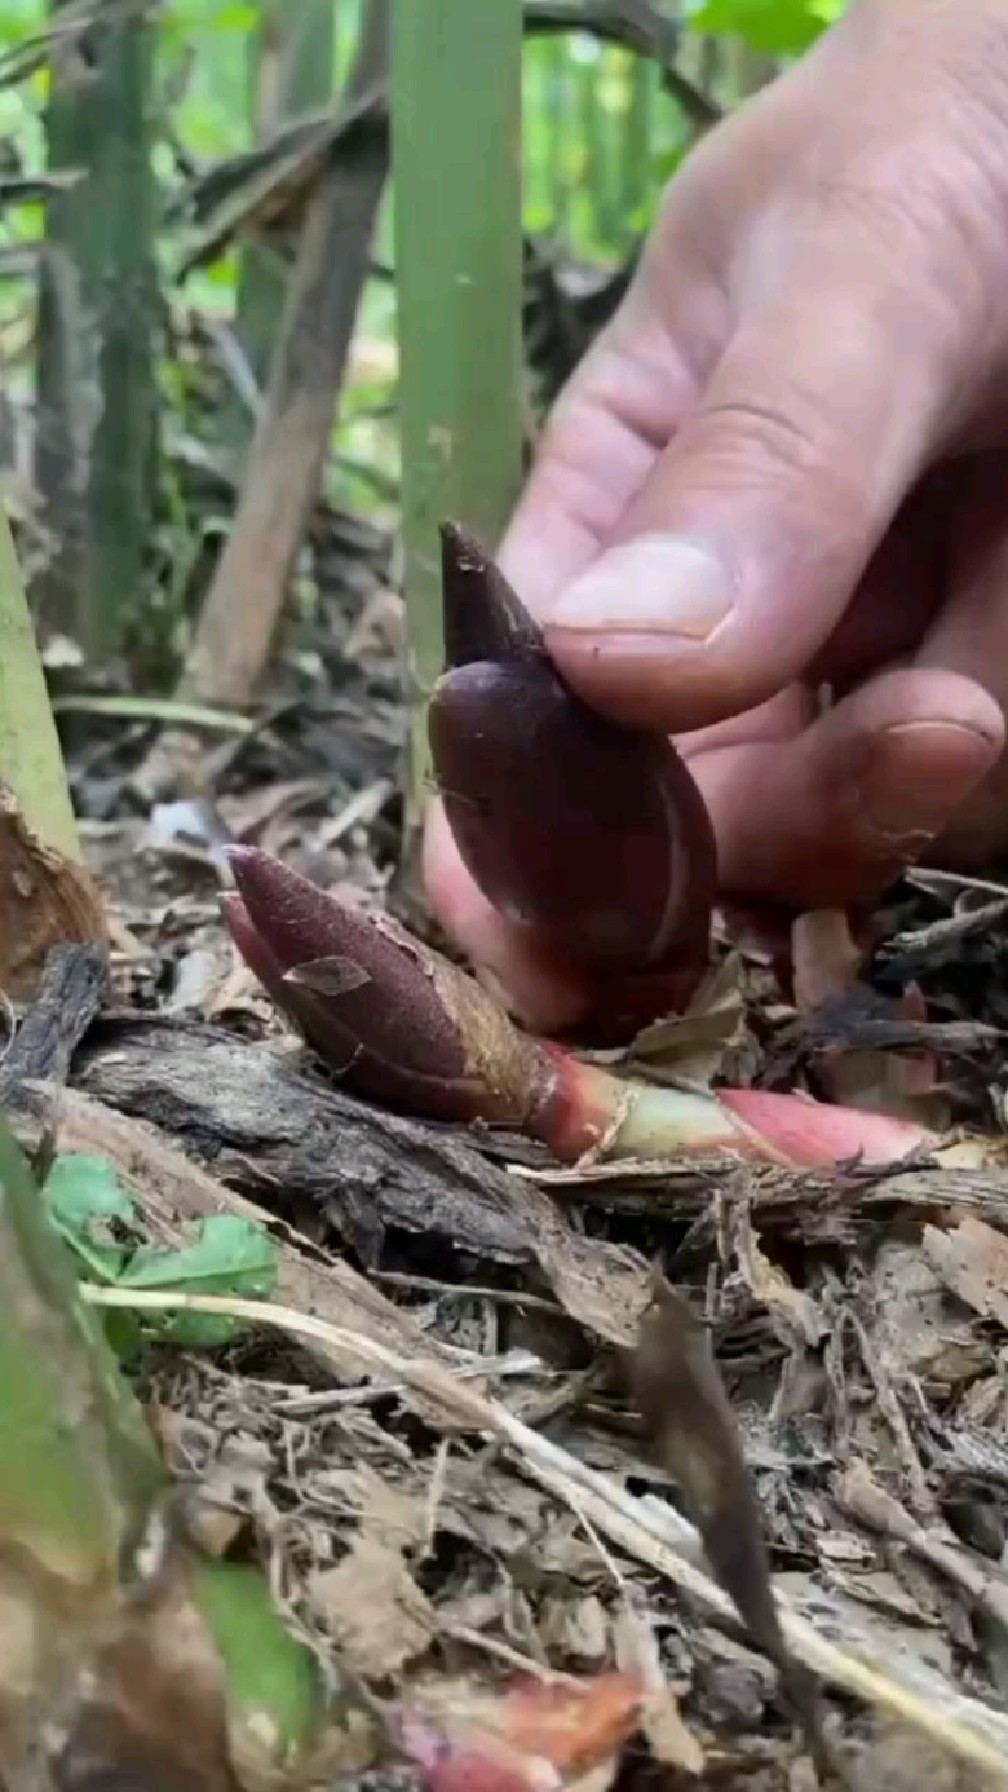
{"x": 293, "y": 63}
{"x": 532, "y": 153}
{"x": 112, "y": 1626}
{"x": 589, "y": 77}
{"x": 79, "y": 1475}
{"x": 79, "y": 1468}
{"x": 636, "y": 184}
{"x": 558, "y": 69}
{"x": 98, "y": 308}
{"x": 31, "y": 762}
{"x": 456, "y": 131}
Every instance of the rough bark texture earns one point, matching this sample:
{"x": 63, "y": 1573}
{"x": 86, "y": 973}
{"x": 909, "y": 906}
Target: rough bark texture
{"x": 46, "y": 900}
{"x": 278, "y": 1132}
{"x": 98, "y": 308}
{"x": 74, "y": 984}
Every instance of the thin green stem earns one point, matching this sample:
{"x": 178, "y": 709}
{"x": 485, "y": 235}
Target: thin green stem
{"x": 456, "y": 123}
{"x": 30, "y": 758}
{"x": 293, "y": 56}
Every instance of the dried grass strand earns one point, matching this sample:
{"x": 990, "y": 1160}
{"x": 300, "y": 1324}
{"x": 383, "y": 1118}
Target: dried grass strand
{"x": 962, "y": 1726}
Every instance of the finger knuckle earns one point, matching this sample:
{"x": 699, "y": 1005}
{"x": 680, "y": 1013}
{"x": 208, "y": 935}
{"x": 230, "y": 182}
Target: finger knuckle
{"x": 766, "y": 445}
{"x": 923, "y": 212}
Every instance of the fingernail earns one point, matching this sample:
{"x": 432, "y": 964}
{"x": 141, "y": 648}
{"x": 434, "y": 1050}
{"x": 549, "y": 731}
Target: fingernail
{"x": 658, "y": 585}
{"x": 902, "y": 799}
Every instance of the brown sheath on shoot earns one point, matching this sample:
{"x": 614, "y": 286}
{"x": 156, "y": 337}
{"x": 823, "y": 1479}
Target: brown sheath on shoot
{"x": 590, "y": 833}
{"x": 403, "y": 1025}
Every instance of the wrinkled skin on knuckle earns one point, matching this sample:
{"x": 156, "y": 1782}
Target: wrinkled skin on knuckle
{"x": 793, "y": 455}
{"x": 892, "y": 137}
{"x": 889, "y": 144}
{"x": 927, "y": 229}
{"x": 913, "y": 155}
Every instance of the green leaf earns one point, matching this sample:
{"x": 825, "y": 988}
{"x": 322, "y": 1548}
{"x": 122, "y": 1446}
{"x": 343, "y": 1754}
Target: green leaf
{"x": 80, "y": 1188}
{"x": 782, "y": 28}
{"x": 274, "y": 1685}
{"x": 229, "y": 1256}
{"x": 236, "y": 17}
{"x": 82, "y": 1194}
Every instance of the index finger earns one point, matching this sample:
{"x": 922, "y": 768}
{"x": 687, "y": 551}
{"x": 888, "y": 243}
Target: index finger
{"x": 607, "y": 430}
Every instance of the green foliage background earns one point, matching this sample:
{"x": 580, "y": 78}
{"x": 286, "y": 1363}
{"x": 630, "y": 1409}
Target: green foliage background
{"x": 600, "y": 140}
{"x": 570, "y": 154}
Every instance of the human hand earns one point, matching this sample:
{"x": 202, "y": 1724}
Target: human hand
{"x": 784, "y": 463}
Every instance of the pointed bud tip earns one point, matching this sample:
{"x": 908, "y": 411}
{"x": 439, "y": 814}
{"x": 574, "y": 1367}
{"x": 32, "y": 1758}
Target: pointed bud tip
{"x": 454, "y": 538}
{"x": 484, "y": 619}
{"x": 253, "y": 871}
{"x": 239, "y": 858}
{"x": 359, "y": 986}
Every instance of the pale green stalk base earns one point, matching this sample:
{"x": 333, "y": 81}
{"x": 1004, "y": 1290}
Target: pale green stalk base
{"x": 590, "y": 1110}
{"x": 456, "y": 133}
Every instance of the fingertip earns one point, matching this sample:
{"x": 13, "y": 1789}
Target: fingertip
{"x": 924, "y": 695}
{"x": 633, "y": 633}
{"x": 833, "y": 816}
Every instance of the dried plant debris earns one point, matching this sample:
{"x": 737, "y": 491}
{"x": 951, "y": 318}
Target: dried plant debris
{"x": 691, "y": 1427}
{"x": 46, "y": 900}
{"x": 842, "y": 1413}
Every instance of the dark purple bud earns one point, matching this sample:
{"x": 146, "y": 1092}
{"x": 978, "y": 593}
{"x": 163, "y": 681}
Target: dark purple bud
{"x": 591, "y": 833}
{"x": 483, "y": 618}
{"x": 395, "y": 1019}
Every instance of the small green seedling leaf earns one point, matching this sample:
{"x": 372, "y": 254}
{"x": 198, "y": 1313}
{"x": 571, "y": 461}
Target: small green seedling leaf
{"x": 229, "y": 1256}
{"x": 80, "y": 1188}
{"x": 785, "y": 28}
{"x": 83, "y": 1194}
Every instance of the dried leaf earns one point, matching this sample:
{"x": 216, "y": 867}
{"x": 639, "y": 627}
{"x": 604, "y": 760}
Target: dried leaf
{"x": 575, "y": 1630}
{"x": 897, "y": 1760}
{"x": 825, "y": 955}
{"x": 916, "y": 1328}
{"x": 688, "y": 1417}
{"x": 669, "y": 1740}
{"x": 602, "y": 1287}
{"x": 972, "y": 1261}
{"x": 876, "y": 1079}
{"x": 689, "y": 1421}
{"x": 374, "y": 1609}
{"x": 696, "y": 1045}
{"x": 861, "y": 1495}
{"x": 796, "y": 1316}
{"x": 46, "y": 900}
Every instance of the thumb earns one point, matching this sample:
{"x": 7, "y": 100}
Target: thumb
{"x": 739, "y": 553}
